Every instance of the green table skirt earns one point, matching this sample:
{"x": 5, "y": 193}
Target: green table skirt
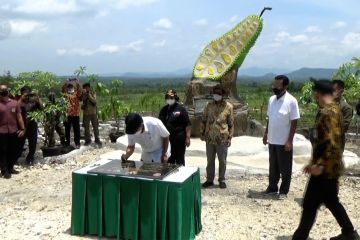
{"x": 129, "y": 208}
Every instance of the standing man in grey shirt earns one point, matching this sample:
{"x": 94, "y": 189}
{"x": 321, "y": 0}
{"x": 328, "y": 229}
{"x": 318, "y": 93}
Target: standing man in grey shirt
{"x": 283, "y": 113}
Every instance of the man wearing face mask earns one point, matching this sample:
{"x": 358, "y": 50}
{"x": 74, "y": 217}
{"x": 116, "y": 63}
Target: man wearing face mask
{"x": 11, "y": 128}
{"x": 90, "y": 114}
{"x": 151, "y": 134}
{"x": 72, "y": 95}
{"x": 283, "y": 113}
{"x": 216, "y": 129}
{"x": 29, "y": 102}
{"x": 176, "y": 120}
{"x": 346, "y": 109}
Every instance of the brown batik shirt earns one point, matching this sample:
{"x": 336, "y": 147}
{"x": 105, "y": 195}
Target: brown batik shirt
{"x": 327, "y": 147}
{"x": 217, "y": 124}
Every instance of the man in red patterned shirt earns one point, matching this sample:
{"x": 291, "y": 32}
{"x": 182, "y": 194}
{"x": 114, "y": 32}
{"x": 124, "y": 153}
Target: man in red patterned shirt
{"x": 72, "y": 95}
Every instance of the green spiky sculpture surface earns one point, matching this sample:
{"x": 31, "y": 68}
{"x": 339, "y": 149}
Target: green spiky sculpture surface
{"x": 221, "y": 54}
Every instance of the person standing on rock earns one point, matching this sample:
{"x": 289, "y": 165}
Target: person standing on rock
{"x": 151, "y": 134}
{"x": 326, "y": 166}
{"x": 72, "y": 95}
{"x": 176, "y": 119}
{"x": 90, "y": 114}
{"x": 283, "y": 113}
{"x": 346, "y": 109}
{"x": 12, "y": 127}
{"x": 216, "y": 129}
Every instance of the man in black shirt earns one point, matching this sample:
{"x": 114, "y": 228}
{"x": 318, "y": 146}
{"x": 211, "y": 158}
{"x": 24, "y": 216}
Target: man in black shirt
{"x": 29, "y": 102}
{"x": 176, "y": 120}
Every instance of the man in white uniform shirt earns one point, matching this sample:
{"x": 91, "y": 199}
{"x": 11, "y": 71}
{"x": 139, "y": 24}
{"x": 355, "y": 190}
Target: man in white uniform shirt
{"x": 151, "y": 134}
{"x": 283, "y": 113}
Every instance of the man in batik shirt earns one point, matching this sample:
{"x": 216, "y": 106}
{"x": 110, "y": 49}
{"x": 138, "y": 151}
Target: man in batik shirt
{"x": 326, "y": 166}
{"x": 216, "y": 130}
{"x": 72, "y": 95}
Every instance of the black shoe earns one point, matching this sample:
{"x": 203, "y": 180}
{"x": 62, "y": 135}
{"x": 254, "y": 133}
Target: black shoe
{"x": 6, "y": 175}
{"x": 77, "y": 146}
{"x": 99, "y": 143}
{"x": 348, "y": 236}
{"x": 207, "y": 184}
{"x": 13, "y": 171}
{"x": 222, "y": 184}
{"x": 87, "y": 143}
{"x": 269, "y": 192}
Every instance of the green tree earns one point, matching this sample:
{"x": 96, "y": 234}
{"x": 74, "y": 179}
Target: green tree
{"x": 350, "y": 73}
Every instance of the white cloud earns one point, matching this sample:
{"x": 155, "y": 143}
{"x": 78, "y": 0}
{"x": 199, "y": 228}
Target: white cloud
{"x": 135, "y": 46}
{"x": 201, "y": 22}
{"x": 159, "y": 44}
{"x": 285, "y": 36}
{"x": 24, "y": 27}
{"x": 46, "y": 6}
{"x": 340, "y": 24}
{"x": 298, "y": 38}
{"x": 312, "y": 29}
{"x": 163, "y": 23}
{"x": 233, "y": 19}
{"x": 280, "y": 36}
{"x": 61, "y": 51}
{"x": 102, "y": 13}
{"x": 108, "y": 48}
{"x": 122, "y": 4}
{"x": 104, "y": 48}
{"x": 352, "y": 40}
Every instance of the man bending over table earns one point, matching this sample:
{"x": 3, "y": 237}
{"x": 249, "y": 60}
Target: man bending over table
{"x": 152, "y": 136}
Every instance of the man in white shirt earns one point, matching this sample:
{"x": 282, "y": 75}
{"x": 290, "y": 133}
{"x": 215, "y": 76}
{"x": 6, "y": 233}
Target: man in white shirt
{"x": 283, "y": 113}
{"x": 152, "y": 136}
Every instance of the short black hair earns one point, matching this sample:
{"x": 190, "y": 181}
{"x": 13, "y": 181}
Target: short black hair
{"x": 219, "y": 87}
{"x": 284, "y": 78}
{"x": 133, "y": 121}
{"x": 323, "y": 86}
{"x": 25, "y": 88}
{"x": 339, "y": 82}
{"x": 86, "y": 85}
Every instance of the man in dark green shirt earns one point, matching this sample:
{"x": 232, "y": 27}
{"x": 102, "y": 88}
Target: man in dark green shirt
{"x": 346, "y": 109}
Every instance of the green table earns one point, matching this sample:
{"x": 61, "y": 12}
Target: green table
{"x": 135, "y": 208}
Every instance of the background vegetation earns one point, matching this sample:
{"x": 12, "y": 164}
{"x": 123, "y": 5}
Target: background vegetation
{"x": 118, "y": 97}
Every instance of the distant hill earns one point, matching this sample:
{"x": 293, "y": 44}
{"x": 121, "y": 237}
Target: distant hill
{"x": 306, "y": 73}
{"x": 245, "y": 75}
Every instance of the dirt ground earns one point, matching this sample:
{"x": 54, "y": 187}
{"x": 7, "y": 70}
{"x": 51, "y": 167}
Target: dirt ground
{"x": 36, "y": 204}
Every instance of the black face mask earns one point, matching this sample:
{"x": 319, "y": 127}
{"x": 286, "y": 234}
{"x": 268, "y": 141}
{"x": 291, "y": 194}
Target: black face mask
{"x": 4, "y": 93}
{"x": 277, "y": 92}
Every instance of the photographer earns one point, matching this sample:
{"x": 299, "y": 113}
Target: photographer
{"x": 90, "y": 114}
{"x": 29, "y": 101}
{"x": 72, "y": 95}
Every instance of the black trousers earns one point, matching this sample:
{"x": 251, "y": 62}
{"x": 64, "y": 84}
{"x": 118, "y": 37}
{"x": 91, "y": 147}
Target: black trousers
{"x": 31, "y": 134}
{"x": 178, "y": 148}
{"x": 321, "y": 190}
{"x": 8, "y": 151}
{"x": 73, "y": 121}
{"x": 280, "y": 165}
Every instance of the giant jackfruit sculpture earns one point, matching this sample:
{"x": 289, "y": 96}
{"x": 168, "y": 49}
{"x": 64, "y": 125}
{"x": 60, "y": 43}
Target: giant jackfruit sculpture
{"x": 229, "y": 50}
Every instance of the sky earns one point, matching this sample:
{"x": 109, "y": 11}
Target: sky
{"x": 117, "y": 36}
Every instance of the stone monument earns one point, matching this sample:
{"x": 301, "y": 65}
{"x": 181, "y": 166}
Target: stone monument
{"x": 218, "y": 63}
